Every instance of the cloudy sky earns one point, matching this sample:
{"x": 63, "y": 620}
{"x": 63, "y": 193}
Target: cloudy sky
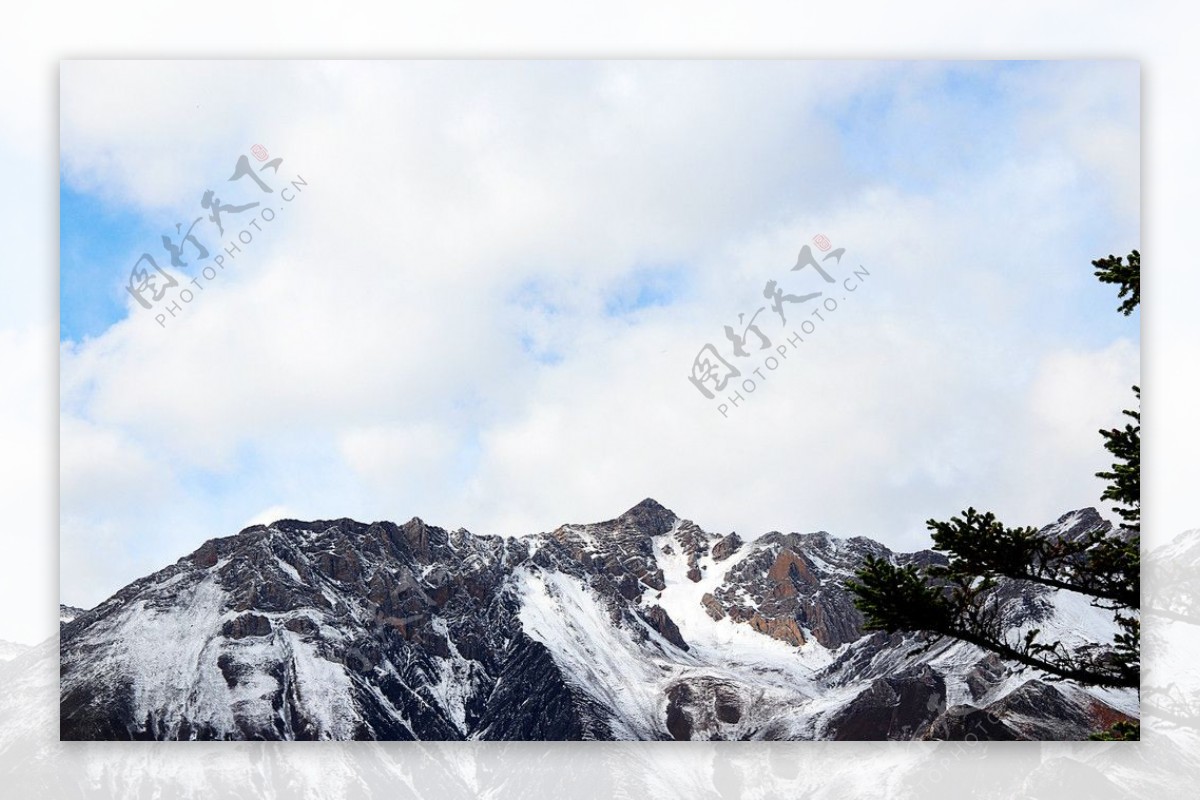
{"x": 482, "y": 302}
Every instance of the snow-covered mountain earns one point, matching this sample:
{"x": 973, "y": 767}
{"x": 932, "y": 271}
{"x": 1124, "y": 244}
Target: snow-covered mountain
{"x": 641, "y": 627}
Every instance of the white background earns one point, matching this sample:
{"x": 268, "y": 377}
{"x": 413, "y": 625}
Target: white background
{"x": 35, "y": 37}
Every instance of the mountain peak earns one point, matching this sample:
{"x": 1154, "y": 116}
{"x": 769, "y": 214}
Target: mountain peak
{"x": 649, "y": 505}
{"x": 650, "y": 516}
{"x": 1076, "y": 525}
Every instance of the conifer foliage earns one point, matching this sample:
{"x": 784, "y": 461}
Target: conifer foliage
{"x": 962, "y": 599}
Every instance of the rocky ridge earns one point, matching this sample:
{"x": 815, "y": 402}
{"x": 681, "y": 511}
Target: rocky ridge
{"x": 640, "y": 627}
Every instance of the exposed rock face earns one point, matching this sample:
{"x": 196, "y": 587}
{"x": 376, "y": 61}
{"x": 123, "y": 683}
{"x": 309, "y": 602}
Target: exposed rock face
{"x": 657, "y": 617}
{"x": 702, "y": 706}
{"x": 726, "y": 547}
{"x": 965, "y": 722}
{"x": 249, "y": 625}
{"x": 621, "y": 549}
{"x": 781, "y": 628}
{"x": 712, "y": 606}
{"x": 641, "y": 627}
{"x": 694, "y": 544}
{"x": 894, "y": 708}
{"x": 795, "y": 582}
{"x": 985, "y": 676}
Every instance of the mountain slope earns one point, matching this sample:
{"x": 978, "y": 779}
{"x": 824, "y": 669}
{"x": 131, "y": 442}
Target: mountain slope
{"x": 640, "y": 627}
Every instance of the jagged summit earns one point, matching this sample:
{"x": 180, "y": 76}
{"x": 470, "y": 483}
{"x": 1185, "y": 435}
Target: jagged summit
{"x": 1077, "y": 524}
{"x": 650, "y": 517}
{"x": 649, "y": 505}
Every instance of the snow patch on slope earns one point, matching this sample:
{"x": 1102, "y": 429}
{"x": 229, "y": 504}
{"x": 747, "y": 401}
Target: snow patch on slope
{"x": 456, "y": 680}
{"x": 735, "y": 646}
{"x": 323, "y": 689}
{"x": 772, "y": 680}
{"x": 598, "y": 656}
{"x": 172, "y": 656}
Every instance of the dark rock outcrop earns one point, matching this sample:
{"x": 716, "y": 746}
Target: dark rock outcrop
{"x": 726, "y": 547}
{"x": 894, "y": 708}
{"x": 658, "y": 618}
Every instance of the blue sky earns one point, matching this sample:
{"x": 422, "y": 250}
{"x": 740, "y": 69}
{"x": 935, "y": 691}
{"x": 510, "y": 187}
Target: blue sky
{"x": 99, "y": 242}
{"x": 645, "y": 288}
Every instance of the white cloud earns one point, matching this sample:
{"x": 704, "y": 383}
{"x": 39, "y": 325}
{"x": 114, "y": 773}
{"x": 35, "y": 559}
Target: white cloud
{"x": 427, "y": 329}
{"x": 103, "y": 469}
{"x": 417, "y": 459}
